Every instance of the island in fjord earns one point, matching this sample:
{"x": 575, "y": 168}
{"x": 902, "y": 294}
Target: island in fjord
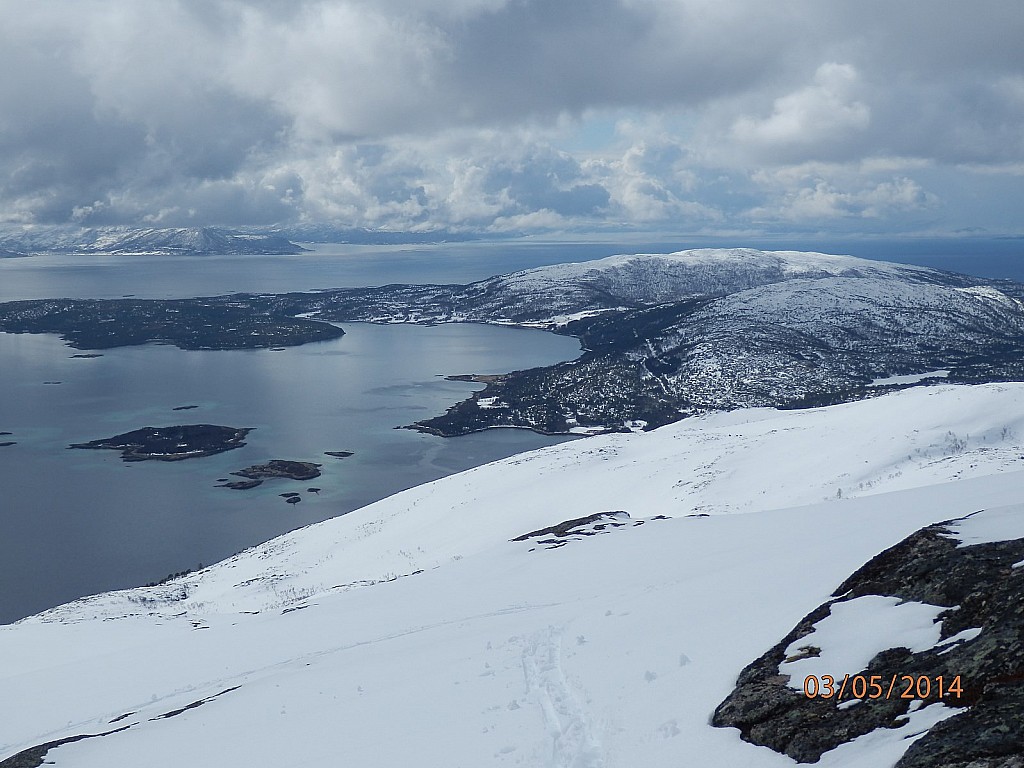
{"x": 275, "y": 468}
{"x": 174, "y": 443}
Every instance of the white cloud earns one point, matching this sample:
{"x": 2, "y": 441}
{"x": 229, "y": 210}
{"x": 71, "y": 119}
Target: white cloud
{"x": 814, "y": 119}
{"x": 340, "y": 69}
{"x": 817, "y": 194}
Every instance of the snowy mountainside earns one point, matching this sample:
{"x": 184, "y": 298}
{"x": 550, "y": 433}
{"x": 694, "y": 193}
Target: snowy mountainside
{"x": 779, "y": 343}
{"x": 191, "y": 240}
{"x": 714, "y": 464}
{"x": 791, "y": 344}
{"x": 612, "y": 650}
{"x": 553, "y": 295}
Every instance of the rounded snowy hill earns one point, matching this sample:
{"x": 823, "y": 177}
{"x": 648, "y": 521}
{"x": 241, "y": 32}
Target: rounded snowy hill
{"x": 554, "y": 295}
{"x": 670, "y": 335}
{"x": 642, "y": 279}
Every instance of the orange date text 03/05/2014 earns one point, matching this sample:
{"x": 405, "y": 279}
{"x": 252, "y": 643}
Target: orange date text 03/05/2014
{"x": 882, "y": 687}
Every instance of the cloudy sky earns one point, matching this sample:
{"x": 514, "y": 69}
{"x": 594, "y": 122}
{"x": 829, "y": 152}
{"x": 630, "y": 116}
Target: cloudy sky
{"x": 696, "y": 116}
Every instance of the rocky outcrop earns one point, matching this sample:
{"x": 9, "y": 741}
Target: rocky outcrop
{"x": 979, "y": 656}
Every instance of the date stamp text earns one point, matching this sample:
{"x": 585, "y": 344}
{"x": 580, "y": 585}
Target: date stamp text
{"x": 882, "y": 687}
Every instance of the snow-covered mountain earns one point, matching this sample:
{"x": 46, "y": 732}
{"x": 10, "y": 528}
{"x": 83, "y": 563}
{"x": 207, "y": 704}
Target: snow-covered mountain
{"x": 553, "y": 295}
{"x": 459, "y": 623}
{"x": 150, "y": 241}
{"x": 667, "y": 335}
{"x": 645, "y": 279}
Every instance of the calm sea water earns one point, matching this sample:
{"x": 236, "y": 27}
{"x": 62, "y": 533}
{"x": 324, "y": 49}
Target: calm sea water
{"x": 77, "y": 522}
{"x": 335, "y": 266}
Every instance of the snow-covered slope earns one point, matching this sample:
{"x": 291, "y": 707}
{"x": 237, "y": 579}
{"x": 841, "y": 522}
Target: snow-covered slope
{"x": 603, "y": 650}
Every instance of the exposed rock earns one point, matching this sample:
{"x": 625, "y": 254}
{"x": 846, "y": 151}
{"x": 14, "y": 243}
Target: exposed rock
{"x": 575, "y": 525}
{"x": 478, "y": 378}
{"x": 240, "y": 485}
{"x": 572, "y": 530}
{"x": 980, "y": 589}
{"x": 338, "y": 454}
{"x": 36, "y": 756}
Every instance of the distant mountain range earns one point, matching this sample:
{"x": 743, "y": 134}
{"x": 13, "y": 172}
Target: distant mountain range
{"x": 204, "y": 241}
{"x": 157, "y": 241}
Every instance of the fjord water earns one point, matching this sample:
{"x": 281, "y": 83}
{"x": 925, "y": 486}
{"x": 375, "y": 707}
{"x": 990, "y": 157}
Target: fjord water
{"x": 77, "y": 522}
{"x": 343, "y": 266}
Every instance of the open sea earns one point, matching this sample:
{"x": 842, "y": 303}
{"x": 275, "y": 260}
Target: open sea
{"x": 75, "y": 522}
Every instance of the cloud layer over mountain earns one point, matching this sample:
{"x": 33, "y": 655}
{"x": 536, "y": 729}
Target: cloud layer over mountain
{"x": 514, "y": 114}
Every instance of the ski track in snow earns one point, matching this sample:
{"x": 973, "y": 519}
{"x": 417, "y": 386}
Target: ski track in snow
{"x": 573, "y": 744}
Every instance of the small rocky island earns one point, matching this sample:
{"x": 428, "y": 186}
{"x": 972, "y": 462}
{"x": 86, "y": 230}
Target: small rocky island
{"x": 172, "y": 443}
{"x": 275, "y": 468}
{"x": 292, "y": 470}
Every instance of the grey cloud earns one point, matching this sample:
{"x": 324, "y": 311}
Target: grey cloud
{"x": 547, "y": 181}
{"x": 420, "y": 113}
{"x": 551, "y": 56}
